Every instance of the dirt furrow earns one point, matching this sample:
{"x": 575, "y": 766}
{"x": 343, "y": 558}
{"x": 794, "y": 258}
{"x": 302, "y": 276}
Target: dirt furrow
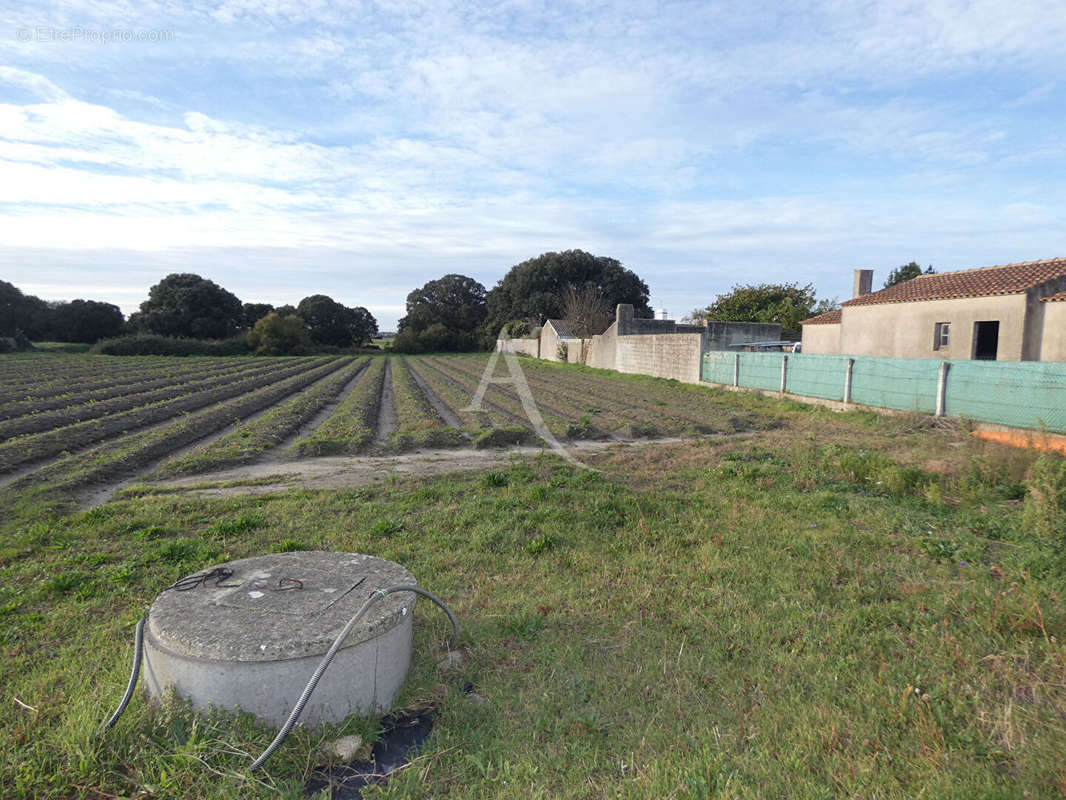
{"x": 386, "y": 407}
{"x": 312, "y": 424}
{"x": 439, "y": 406}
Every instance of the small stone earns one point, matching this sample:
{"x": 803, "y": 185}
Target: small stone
{"x": 453, "y": 659}
{"x": 345, "y": 748}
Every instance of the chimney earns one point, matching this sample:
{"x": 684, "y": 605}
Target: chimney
{"x": 864, "y": 281}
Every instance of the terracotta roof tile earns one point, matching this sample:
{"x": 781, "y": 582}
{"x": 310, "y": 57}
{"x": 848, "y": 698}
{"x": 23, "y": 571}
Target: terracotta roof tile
{"x": 1006, "y": 279}
{"x": 828, "y": 318}
{"x": 1055, "y": 298}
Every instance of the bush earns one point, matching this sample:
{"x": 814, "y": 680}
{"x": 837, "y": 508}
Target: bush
{"x": 147, "y": 344}
{"x": 434, "y": 339}
{"x": 13, "y": 344}
{"x": 275, "y": 335}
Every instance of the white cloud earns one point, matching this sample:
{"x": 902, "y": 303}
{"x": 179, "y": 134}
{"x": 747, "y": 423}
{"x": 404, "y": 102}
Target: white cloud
{"x": 413, "y": 138}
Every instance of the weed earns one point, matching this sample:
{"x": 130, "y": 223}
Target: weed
{"x": 242, "y": 524}
{"x": 541, "y": 543}
{"x": 187, "y": 552}
{"x": 289, "y": 546}
{"x": 387, "y": 527}
{"x": 495, "y": 479}
{"x": 1045, "y": 505}
{"x": 523, "y": 625}
{"x": 940, "y": 548}
{"x": 150, "y": 532}
{"x": 502, "y": 436}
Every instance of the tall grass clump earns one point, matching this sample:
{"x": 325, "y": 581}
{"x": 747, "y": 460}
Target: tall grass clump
{"x": 1045, "y": 502}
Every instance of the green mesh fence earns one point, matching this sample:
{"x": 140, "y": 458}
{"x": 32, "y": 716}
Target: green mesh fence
{"x": 906, "y": 384}
{"x": 1023, "y": 394}
{"x": 761, "y": 370}
{"x": 817, "y": 376}
{"x": 718, "y": 367}
{"x": 1026, "y": 394}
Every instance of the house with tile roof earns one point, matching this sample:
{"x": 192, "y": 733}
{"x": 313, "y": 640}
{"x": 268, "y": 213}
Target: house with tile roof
{"x": 1012, "y": 312}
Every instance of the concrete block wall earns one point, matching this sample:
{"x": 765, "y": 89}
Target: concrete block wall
{"x": 664, "y": 355}
{"x": 723, "y": 335}
{"x": 662, "y": 348}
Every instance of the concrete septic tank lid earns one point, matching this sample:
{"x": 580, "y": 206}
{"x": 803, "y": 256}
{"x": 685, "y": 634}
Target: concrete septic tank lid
{"x": 252, "y": 640}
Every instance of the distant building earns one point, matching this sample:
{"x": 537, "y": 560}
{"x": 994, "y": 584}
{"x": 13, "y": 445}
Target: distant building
{"x": 1014, "y": 312}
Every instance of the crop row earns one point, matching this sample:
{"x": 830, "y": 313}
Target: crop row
{"x": 564, "y": 416}
{"x": 646, "y": 401}
{"x": 607, "y": 412}
{"x": 33, "y": 367}
{"x": 350, "y": 428}
{"x": 490, "y": 425}
{"x": 34, "y": 447}
{"x": 125, "y": 400}
{"x": 417, "y": 423}
{"x": 127, "y": 454}
{"x": 249, "y": 440}
{"x": 70, "y": 376}
{"x": 460, "y": 399}
{"x": 138, "y": 380}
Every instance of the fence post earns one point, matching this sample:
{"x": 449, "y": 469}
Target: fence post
{"x": 784, "y": 372}
{"x": 941, "y": 387}
{"x": 847, "y": 380}
{"x": 736, "y": 369}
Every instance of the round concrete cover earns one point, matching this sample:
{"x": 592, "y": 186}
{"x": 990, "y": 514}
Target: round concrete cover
{"x": 281, "y": 606}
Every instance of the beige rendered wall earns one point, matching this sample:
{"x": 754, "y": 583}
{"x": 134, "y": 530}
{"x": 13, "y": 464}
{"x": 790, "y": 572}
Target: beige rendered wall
{"x": 549, "y": 343}
{"x": 602, "y": 349}
{"x": 665, "y": 355}
{"x": 576, "y": 348}
{"x": 526, "y": 347}
{"x": 821, "y": 339}
{"x": 1053, "y": 342}
{"x": 905, "y": 330}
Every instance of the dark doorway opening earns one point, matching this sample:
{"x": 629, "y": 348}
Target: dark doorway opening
{"x": 985, "y": 340}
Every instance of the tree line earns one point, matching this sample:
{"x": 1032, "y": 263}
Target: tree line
{"x": 451, "y": 313}
{"x": 187, "y": 306}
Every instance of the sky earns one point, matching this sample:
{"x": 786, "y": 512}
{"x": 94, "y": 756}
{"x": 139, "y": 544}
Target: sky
{"x": 360, "y": 150}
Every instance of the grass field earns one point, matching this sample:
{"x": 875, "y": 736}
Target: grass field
{"x": 805, "y": 604}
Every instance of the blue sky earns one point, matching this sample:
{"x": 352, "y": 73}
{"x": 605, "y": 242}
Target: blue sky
{"x": 360, "y": 150}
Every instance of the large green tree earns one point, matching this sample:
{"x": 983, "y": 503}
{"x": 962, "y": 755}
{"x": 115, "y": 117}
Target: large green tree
{"x": 442, "y": 315}
{"x": 905, "y": 273}
{"x": 183, "y": 304}
{"x": 253, "y": 312}
{"x": 23, "y": 313}
{"x": 85, "y": 321}
{"x": 787, "y": 304}
{"x": 533, "y": 290}
{"x": 331, "y": 323}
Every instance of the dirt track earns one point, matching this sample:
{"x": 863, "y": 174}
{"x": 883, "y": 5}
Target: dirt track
{"x": 336, "y": 472}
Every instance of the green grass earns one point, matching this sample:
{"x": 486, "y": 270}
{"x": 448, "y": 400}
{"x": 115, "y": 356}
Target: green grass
{"x": 842, "y": 606}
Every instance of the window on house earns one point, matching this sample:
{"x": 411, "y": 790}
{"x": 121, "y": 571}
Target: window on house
{"x": 941, "y": 335}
